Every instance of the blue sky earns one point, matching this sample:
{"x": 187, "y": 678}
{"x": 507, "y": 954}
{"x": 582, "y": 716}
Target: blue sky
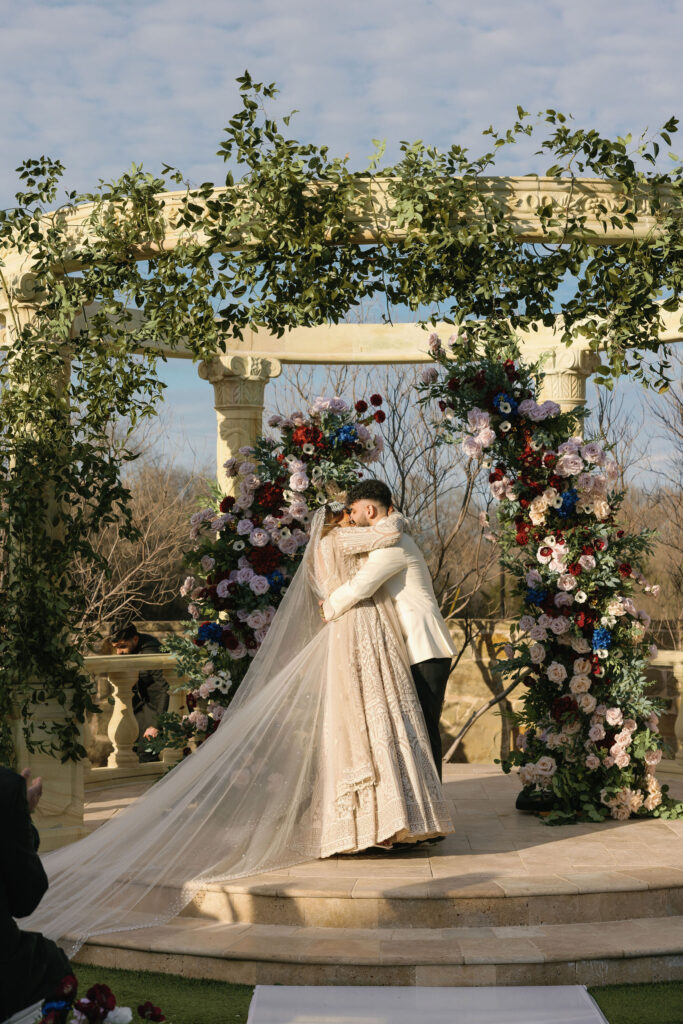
{"x": 100, "y": 85}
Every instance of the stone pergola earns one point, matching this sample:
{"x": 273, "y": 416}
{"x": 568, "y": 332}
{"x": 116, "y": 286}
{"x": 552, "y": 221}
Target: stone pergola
{"x": 240, "y": 375}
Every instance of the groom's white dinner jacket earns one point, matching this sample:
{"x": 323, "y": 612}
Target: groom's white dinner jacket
{"x": 404, "y": 573}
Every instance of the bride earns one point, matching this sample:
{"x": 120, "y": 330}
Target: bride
{"x": 324, "y": 751}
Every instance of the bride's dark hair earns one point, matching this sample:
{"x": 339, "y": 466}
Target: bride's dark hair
{"x": 334, "y": 513}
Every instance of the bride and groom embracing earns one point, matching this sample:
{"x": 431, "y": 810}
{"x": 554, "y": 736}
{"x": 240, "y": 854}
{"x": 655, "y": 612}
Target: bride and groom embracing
{"x": 330, "y": 746}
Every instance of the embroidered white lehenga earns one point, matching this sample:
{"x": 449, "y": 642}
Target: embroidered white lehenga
{"x": 324, "y": 750}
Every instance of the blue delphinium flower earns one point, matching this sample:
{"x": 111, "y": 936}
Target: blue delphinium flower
{"x": 569, "y": 500}
{"x": 210, "y": 631}
{"x": 502, "y": 399}
{"x": 536, "y": 596}
{"x": 276, "y": 579}
{"x": 602, "y": 638}
{"x": 343, "y": 435}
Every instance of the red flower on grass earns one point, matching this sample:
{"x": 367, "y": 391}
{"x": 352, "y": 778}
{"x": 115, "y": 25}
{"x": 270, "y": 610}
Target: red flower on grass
{"x": 67, "y": 988}
{"x": 148, "y": 1011}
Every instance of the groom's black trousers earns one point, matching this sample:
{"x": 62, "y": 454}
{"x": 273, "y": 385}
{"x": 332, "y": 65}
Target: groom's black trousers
{"x": 430, "y": 678}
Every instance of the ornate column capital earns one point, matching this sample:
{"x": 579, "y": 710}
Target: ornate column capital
{"x": 239, "y": 383}
{"x": 566, "y": 372}
{"x": 245, "y": 367}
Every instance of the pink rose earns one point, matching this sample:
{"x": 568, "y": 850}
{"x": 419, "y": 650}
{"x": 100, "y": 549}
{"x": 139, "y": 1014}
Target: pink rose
{"x": 259, "y": 538}
{"x": 586, "y": 702}
{"x": 591, "y": 452}
{"x": 653, "y": 757}
{"x": 559, "y": 625}
{"x": 256, "y": 619}
{"x": 288, "y": 545}
{"x": 566, "y": 582}
{"x": 429, "y": 375}
{"x": 259, "y": 585}
{"x": 537, "y": 653}
{"x": 474, "y": 450}
{"x": 596, "y": 732}
{"x": 216, "y": 711}
{"x": 592, "y": 762}
{"x": 568, "y": 465}
{"x": 579, "y": 684}
{"x": 587, "y": 562}
{"x": 477, "y": 419}
{"x": 299, "y": 481}
{"x": 556, "y": 672}
{"x": 614, "y": 716}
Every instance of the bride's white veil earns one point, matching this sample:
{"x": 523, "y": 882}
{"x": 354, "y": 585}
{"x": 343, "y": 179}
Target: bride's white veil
{"x": 235, "y": 807}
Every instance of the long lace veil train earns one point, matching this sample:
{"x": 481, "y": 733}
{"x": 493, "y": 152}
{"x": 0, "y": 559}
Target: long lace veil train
{"x": 236, "y": 807}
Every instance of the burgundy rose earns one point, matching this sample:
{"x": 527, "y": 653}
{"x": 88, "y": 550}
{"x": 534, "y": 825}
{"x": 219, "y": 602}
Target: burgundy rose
{"x": 625, "y": 570}
{"x": 226, "y": 504}
{"x": 574, "y": 569}
{"x": 67, "y": 988}
{"x": 376, "y": 399}
{"x": 361, "y": 406}
{"x": 148, "y": 1011}
{"x": 562, "y": 706}
{"x": 379, "y": 416}
{"x": 453, "y": 384}
{"x": 229, "y": 640}
{"x": 442, "y": 406}
{"x": 522, "y": 538}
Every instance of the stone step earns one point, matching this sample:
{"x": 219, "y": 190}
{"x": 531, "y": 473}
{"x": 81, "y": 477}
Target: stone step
{"x": 645, "y": 949}
{"x": 391, "y": 900}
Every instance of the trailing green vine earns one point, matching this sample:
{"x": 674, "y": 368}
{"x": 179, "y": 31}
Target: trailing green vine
{"x": 294, "y": 212}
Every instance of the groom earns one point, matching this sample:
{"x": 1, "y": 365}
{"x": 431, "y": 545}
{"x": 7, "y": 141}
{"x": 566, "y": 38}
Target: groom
{"x": 404, "y": 573}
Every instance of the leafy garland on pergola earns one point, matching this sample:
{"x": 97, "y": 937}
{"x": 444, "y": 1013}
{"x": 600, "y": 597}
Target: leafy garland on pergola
{"x": 293, "y": 208}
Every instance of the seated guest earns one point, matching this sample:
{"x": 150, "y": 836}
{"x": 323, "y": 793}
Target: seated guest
{"x": 31, "y": 966}
{"x": 150, "y": 693}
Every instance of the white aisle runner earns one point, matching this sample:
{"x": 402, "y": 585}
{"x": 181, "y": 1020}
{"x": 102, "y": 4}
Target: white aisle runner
{"x": 342, "y": 1004}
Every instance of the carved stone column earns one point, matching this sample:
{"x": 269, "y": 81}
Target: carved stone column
{"x": 566, "y": 373}
{"x": 59, "y": 816}
{"x": 239, "y": 384}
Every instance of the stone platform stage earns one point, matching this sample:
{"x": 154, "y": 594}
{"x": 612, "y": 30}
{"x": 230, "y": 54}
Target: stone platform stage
{"x": 506, "y": 900}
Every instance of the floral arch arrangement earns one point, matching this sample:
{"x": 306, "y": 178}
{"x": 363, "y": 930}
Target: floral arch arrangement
{"x": 590, "y": 739}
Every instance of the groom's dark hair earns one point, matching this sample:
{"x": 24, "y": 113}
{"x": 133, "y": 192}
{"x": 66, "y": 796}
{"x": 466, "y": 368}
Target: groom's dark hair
{"x": 370, "y": 490}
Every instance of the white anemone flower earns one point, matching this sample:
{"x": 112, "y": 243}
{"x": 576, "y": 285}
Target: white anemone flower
{"x": 505, "y": 426}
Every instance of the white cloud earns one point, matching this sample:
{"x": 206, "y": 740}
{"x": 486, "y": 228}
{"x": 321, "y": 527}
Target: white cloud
{"x": 101, "y": 85}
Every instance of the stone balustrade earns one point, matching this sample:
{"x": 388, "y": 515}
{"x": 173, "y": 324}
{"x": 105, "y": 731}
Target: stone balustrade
{"x": 122, "y": 673}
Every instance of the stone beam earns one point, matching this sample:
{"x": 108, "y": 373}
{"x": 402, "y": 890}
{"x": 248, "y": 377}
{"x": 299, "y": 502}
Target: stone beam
{"x": 372, "y": 215}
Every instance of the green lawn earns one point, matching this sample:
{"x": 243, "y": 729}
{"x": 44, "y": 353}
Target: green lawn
{"x": 191, "y": 1001}
{"x": 641, "y": 1004}
{"x": 182, "y": 1000}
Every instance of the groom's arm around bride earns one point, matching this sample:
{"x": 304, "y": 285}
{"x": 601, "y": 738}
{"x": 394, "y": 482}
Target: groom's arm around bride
{"x": 402, "y": 570}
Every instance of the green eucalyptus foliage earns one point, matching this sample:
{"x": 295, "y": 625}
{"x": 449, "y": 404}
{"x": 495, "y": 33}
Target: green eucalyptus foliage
{"x": 277, "y": 250}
